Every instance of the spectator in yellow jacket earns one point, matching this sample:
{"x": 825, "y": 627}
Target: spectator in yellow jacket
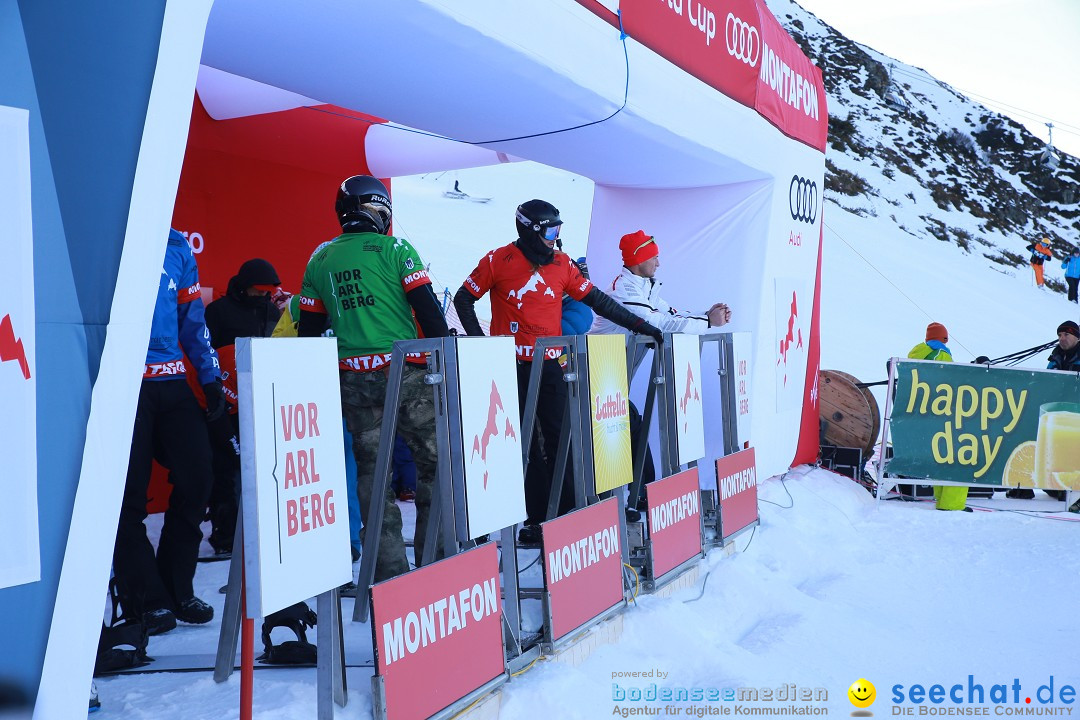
{"x": 949, "y": 497}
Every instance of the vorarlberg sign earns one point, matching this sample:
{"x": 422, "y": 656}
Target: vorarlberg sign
{"x": 295, "y": 501}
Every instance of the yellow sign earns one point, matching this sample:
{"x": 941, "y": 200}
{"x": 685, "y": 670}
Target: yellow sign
{"x": 609, "y": 408}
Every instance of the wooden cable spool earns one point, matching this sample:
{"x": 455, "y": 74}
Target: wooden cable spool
{"x": 849, "y": 413}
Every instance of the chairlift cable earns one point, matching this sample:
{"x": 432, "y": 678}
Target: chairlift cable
{"x": 1029, "y": 114}
{"x": 906, "y": 296}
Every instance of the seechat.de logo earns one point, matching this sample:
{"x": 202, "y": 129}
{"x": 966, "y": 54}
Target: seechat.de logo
{"x": 862, "y": 694}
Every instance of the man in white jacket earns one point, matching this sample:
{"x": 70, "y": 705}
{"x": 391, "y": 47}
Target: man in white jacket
{"x": 637, "y": 288}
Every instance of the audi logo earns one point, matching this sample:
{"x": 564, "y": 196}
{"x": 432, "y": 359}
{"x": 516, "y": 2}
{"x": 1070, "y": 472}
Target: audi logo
{"x": 743, "y": 41}
{"x": 803, "y": 199}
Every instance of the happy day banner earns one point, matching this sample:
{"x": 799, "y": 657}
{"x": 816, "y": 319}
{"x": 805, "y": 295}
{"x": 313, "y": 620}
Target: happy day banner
{"x": 987, "y": 426}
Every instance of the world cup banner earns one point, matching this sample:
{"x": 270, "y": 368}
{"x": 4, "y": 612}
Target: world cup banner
{"x": 986, "y": 426}
{"x": 689, "y": 412}
{"x": 674, "y": 512}
{"x": 437, "y": 632}
{"x": 490, "y": 434}
{"x": 20, "y": 560}
{"x": 582, "y": 555}
{"x": 292, "y": 457}
{"x": 609, "y": 408}
{"x": 736, "y": 481}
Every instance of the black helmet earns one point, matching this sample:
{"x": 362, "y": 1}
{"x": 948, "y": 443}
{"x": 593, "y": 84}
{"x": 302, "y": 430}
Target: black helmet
{"x": 534, "y": 217}
{"x": 362, "y": 201}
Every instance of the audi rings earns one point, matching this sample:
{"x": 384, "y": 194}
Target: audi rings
{"x": 803, "y": 199}
{"x": 743, "y": 40}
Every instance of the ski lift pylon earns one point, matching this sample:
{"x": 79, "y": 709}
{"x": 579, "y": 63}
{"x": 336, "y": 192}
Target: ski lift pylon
{"x": 1049, "y": 156}
{"x": 894, "y": 99}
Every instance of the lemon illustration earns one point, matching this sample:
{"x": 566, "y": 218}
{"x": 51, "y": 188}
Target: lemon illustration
{"x": 1068, "y": 480}
{"x": 1020, "y": 467}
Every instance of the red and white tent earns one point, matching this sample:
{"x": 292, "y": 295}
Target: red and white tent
{"x": 704, "y": 125}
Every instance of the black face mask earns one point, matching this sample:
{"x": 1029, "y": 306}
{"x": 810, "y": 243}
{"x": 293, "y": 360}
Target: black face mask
{"x": 536, "y": 250}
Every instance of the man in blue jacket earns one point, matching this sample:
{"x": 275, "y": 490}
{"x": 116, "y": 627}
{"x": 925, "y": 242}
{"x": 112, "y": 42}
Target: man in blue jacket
{"x": 171, "y": 427}
{"x": 1071, "y": 266}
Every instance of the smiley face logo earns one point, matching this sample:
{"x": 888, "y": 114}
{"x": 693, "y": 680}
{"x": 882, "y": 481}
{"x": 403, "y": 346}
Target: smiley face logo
{"x": 862, "y": 693}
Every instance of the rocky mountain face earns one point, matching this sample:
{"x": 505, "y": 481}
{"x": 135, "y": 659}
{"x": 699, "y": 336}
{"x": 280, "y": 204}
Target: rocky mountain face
{"x": 909, "y": 149}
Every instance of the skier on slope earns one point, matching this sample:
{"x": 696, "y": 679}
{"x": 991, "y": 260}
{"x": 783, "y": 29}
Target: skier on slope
{"x": 1040, "y": 251}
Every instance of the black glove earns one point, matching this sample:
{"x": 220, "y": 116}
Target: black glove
{"x": 652, "y": 331}
{"x": 215, "y": 400}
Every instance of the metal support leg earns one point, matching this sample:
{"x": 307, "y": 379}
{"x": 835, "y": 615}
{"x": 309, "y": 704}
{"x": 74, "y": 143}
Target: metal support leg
{"x": 431, "y": 535}
{"x": 555, "y": 495}
{"x": 330, "y": 675}
{"x": 233, "y": 612}
{"x": 511, "y": 600}
{"x": 880, "y": 470}
{"x": 373, "y": 520}
{"x": 641, "y": 443}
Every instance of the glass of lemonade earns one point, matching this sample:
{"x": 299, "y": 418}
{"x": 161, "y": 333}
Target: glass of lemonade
{"x": 1057, "y": 446}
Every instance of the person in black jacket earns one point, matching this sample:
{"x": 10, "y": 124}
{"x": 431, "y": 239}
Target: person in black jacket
{"x": 1066, "y": 354}
{"x": 246, "y": 310}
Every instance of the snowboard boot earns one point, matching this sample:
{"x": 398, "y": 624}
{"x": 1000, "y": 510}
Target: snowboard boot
{"x": 194, "y": 611}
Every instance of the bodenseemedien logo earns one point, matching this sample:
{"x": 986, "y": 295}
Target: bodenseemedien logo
{"x": 862, "y": 694}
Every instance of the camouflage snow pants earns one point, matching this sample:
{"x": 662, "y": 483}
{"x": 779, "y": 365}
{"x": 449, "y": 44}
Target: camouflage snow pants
{"x": 362, "y": 399}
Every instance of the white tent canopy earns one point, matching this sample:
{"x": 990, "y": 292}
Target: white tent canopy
{"x": 481, "y": 82}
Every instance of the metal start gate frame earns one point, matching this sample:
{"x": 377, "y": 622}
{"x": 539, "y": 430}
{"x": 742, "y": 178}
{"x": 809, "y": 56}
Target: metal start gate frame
{"x": 662, "y": 383}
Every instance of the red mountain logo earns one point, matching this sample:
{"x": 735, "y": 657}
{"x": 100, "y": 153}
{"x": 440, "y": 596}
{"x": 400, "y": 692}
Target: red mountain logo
{"x": 11, "y": 347}
{"x": 691, "y": 393}
{"x": 491, "y": 429}
{"x": 793, "y": 335}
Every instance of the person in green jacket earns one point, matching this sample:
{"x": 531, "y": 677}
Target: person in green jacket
{"x": 934, "y": 347}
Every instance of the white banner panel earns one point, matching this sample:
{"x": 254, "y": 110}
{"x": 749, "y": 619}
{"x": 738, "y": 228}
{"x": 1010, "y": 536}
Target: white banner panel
{"x": 296, "y": 517}
{"x": 793, "y": 304}
{"x": 742, "y": 344}
{"x": 490, "y": 433}
{"x": 689, "y": 414}
{"x": 20, "y": 560}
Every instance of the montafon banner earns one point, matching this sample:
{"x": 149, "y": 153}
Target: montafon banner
{"x": 990, "y": 426}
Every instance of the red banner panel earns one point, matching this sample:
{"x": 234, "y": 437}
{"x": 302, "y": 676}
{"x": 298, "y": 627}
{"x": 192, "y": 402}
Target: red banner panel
{"x": 790, "y": 91}
{"x": 674, "y": 520}
{"x": 438, "y": 632}
{"x": 736, "y": 476}
{"x": 716, "y": 41}
{"x": 582, "y": 565}
{"x": 739, "y": 48}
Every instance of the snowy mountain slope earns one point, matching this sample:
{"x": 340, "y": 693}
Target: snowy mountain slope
{"x": 916, "y": 154}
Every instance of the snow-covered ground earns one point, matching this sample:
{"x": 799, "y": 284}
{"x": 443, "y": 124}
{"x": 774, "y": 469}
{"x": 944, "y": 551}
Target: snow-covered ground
{"x": 831, "y": 588}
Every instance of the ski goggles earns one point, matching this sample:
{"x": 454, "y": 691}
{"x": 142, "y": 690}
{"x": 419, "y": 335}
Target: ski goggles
{"x": 551, "y": 233}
